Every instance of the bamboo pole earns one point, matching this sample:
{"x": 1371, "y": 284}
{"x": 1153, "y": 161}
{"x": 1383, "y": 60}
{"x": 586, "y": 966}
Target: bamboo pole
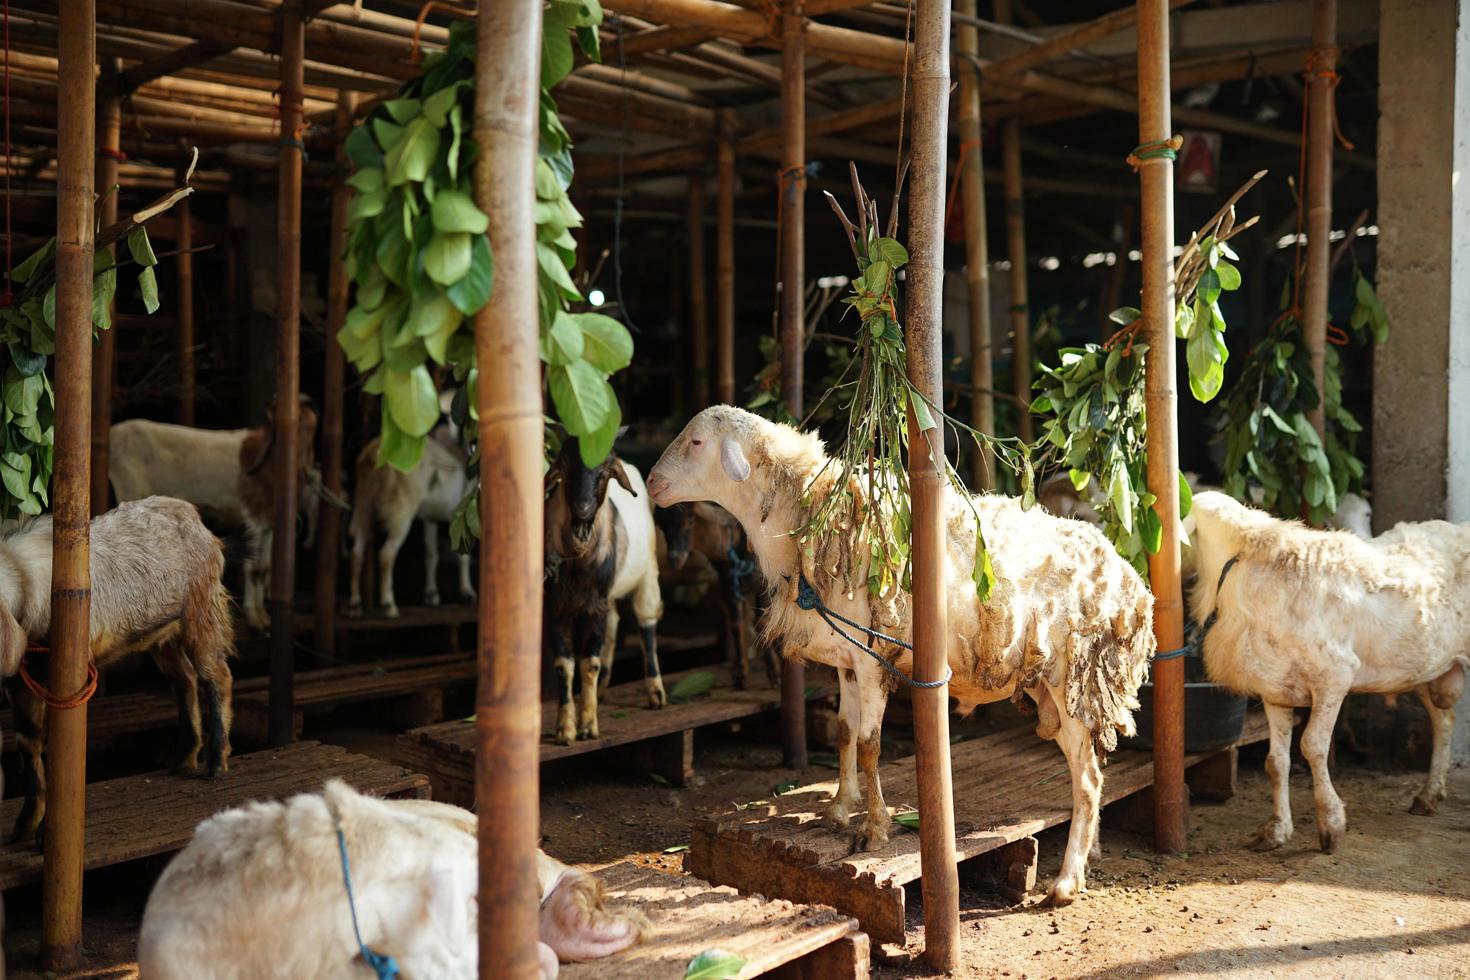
{"x": 508, "y": 702}
{"x": 71, "y": 582}
{"x": 925, "y": 308}
{"x": 184, "y": 329}
{"x": 329, "y": 520}
{"x": 1321, "y": 85}
{"x": 104, "y": 353}
{"x": 790, "y": 291}
{"x": 288, "y": 380}
{"x": 977, "y": 249}
{"x": 1156, "y": 179}
{"x": 698, "y": 299}
{"x": 1020, "y": 310}
{"x": 725, "y": 265}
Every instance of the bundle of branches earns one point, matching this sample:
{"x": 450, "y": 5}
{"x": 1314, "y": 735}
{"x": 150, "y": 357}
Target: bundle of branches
{"x": 28, "y": 332}
{"x": 868, "y": 508}
{"x": 1093, "y": 400}
{"x": 1272, "y": 452}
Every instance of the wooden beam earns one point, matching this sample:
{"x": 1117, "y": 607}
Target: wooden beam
{"x": 698, "y": 299}
{"x": 725, "y": 264}
{"x": 507, "y": 701}
{"x": 977, "y": 248}
{"x": 1020, "y": 308}
{"x": 1074, "y": 39}
{"x": 189, "y": 56}
{"x": 107, "y": 160}
{"x": 1321, "y": 121}
{"x": 658, "y": 39}
{"x": 184, "y": 329}
{"x": 71, "y": 581}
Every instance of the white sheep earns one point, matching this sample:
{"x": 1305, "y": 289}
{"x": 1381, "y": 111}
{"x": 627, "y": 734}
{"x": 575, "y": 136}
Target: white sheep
{"x": 1301, "y": 618}
{"x": 228, "y": 473}
{"x": 259, "y": 892}
{"x": 156, "y": 586}
{"x": 388, "y": 498}
{"x": 1069, "y": 622}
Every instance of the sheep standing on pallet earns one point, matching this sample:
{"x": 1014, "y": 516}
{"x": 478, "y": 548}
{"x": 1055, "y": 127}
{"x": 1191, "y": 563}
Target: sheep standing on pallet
{"x": 387, "y": 498}
{"x": 715, "y": 535}
{"x": 155, "y": 586}
{"x": 260, "y": 892}
{"x": 1068, "y": 624}
{"x": 228, "y": 473}
{"x": 1302, "y": 618}
{"x": 601, "y": 548}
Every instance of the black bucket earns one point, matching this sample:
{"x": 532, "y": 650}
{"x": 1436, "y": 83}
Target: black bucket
{"x": 1213, "y": 716}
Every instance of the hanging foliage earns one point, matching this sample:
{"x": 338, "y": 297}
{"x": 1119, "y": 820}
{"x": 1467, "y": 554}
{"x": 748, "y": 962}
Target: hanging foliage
{"x": 28, "y": 333}
{"x": 420, "y": 257}
{"x": 1093, "y": 400}
{"x": 1273, "y": 455}
{"x": 870, "y": 462}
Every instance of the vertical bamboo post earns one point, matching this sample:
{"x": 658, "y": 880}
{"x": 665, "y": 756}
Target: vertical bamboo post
{"x": 977, "y": 249}
{"x": 925, "y": 309}
{"x": 1156, "y": 177}
{"x": 1020, "y": 309}
{"x": 71, "y": 582}
{"x": 508, "y": 700}
{"x": 329, "y": 520}
{"x": 725, "y": 264}
{"x": 284, "y": 448}
{"x": 104, "y": 352}
{"x": 698, "y": 298}
{"x": 184, "y": 335}
{"x": 1321, "y": 82}
{"x": 792, "y": 218}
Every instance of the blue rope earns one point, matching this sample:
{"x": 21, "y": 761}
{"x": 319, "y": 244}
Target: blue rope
{"x": 740, "y": 570}
{"x": 385, "y": 966}
{"x": 807, "y": 598}
{"x": 1194, "y": 634}
{"x": 1171, "y": 654}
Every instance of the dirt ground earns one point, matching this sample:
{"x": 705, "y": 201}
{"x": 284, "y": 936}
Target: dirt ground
{"x": 1394, "y": 901}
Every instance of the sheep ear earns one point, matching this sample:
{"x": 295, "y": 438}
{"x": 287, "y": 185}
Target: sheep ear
{"x": 621, "y": 475}
{"x": 732, "y": 458}
{"x": 446, "y": 895}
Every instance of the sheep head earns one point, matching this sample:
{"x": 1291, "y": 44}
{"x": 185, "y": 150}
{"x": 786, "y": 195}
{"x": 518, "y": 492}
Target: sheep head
{"x": 707, "y": 459}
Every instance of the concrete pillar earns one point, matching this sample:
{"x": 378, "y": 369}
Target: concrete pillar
{"x": 1421, "y": 377}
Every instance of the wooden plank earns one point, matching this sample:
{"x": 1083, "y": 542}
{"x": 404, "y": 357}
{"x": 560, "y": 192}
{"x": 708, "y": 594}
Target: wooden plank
{"x": 1008, "y": 787}
{"x": 156, "y": 813}
{"x": 688, "y": 916}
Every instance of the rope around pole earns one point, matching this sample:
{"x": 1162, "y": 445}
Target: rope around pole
{"x": 43, "y": 692}
{"x": 1158, "y": 150}
{"x": 807, "y": 598}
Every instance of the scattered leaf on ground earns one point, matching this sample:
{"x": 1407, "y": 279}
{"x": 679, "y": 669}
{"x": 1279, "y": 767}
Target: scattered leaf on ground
{"x": 714, "y": 964}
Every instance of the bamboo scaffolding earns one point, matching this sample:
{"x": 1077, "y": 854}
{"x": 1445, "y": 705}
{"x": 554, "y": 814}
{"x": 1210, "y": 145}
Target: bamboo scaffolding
{"x": 1156, "y": 179}
{"x": 791, "y": 207}
{"x": 104, "y": 353}
{"x": 284, "y": 448}
{"x": 1321, "y": 86}
{"x": 508, "y": 701}
{"x": 698, "y": 298}
{"x": 329, "y": 520}
{"x": 977, "y": 249}
{"x": 184, "y": 329}
{"x": 925, "y": 318}
{"x": 725, "y": 265}
{"x": 1020, "y": 310}
{"x": 71, "y": 582}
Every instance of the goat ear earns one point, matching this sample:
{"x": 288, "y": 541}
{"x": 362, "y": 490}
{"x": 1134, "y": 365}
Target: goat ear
{"x": 13, "y": 641}
{"x": 553, "y": 477}
{"x": 621, "y": 475}
{"x": 732, "y": 458}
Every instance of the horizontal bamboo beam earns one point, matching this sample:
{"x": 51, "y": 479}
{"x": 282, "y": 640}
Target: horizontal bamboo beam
{"x": 610, "y": 95}
{"x": 130, "y": 79}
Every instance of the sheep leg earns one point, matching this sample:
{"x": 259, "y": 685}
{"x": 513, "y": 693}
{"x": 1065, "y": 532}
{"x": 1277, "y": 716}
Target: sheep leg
{"x": 598, "y": 653}
{"x": 1277, "y": 831}
{"x": 431, "y": 563}
{"x": 466, "y": 586}
{"x": 397, "y": 531}
{"x": 869, "y": 744}
{"x": 185, "y": 682}
{"x": 1082, "y": 762}
{"x": 360, "y": 537}
{"x": 562, "y": 665}
{"x": 838, "y": 814}
{"x": 1439, "y": 697}
{"x": 30, "y": 737}
{"x": 1316, "y": 744}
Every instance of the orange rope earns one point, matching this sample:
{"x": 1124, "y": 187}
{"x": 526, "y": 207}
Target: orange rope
{"x": 44, "y": 693}
{"x": 415, "y": 54}
{"x": 959, "y": 168}
{"x": 1316, "y": 69}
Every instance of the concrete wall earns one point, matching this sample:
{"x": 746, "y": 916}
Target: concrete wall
{"x": 1421, "y": 377}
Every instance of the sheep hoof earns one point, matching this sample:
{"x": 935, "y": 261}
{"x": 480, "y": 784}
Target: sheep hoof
{"x": 467, "y": 595}
{"x": 431, "y": 600}
{"x": 1266, "y": 839}
{"x": 836, "y": 817}
{"x": 1422, "y": 807}
{"x": 354, "y": 610}
{"x": 656, "y": 696}
{"x": 390, "y": 612}
{"x": 1063, "y": 893}
{"x": 565, "y": 737}
{"x": 871, "y": 839}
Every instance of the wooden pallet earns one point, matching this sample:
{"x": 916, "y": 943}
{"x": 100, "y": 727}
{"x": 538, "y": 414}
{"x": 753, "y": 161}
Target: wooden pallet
{"x": 687, "y": 917}
{"x": 156, "y": 813}
{"x": 1008, "y": 787}
{"x": 659, "y": 741}
{"x": 112, "y": 716}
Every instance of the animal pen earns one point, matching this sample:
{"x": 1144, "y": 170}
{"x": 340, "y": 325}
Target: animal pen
{"x": 485, "y": 296}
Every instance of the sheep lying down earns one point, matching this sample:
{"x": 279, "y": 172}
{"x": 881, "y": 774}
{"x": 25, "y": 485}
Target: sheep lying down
{"x": 1302, "y": 618}
{"x": 259, "y": 893}
{"x": 1069, "y": 623}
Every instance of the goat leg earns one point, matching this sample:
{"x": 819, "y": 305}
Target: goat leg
{"x": 653, "y": 681}
{"x": 30, "y": 733}
{"x": 563, "y": 666}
